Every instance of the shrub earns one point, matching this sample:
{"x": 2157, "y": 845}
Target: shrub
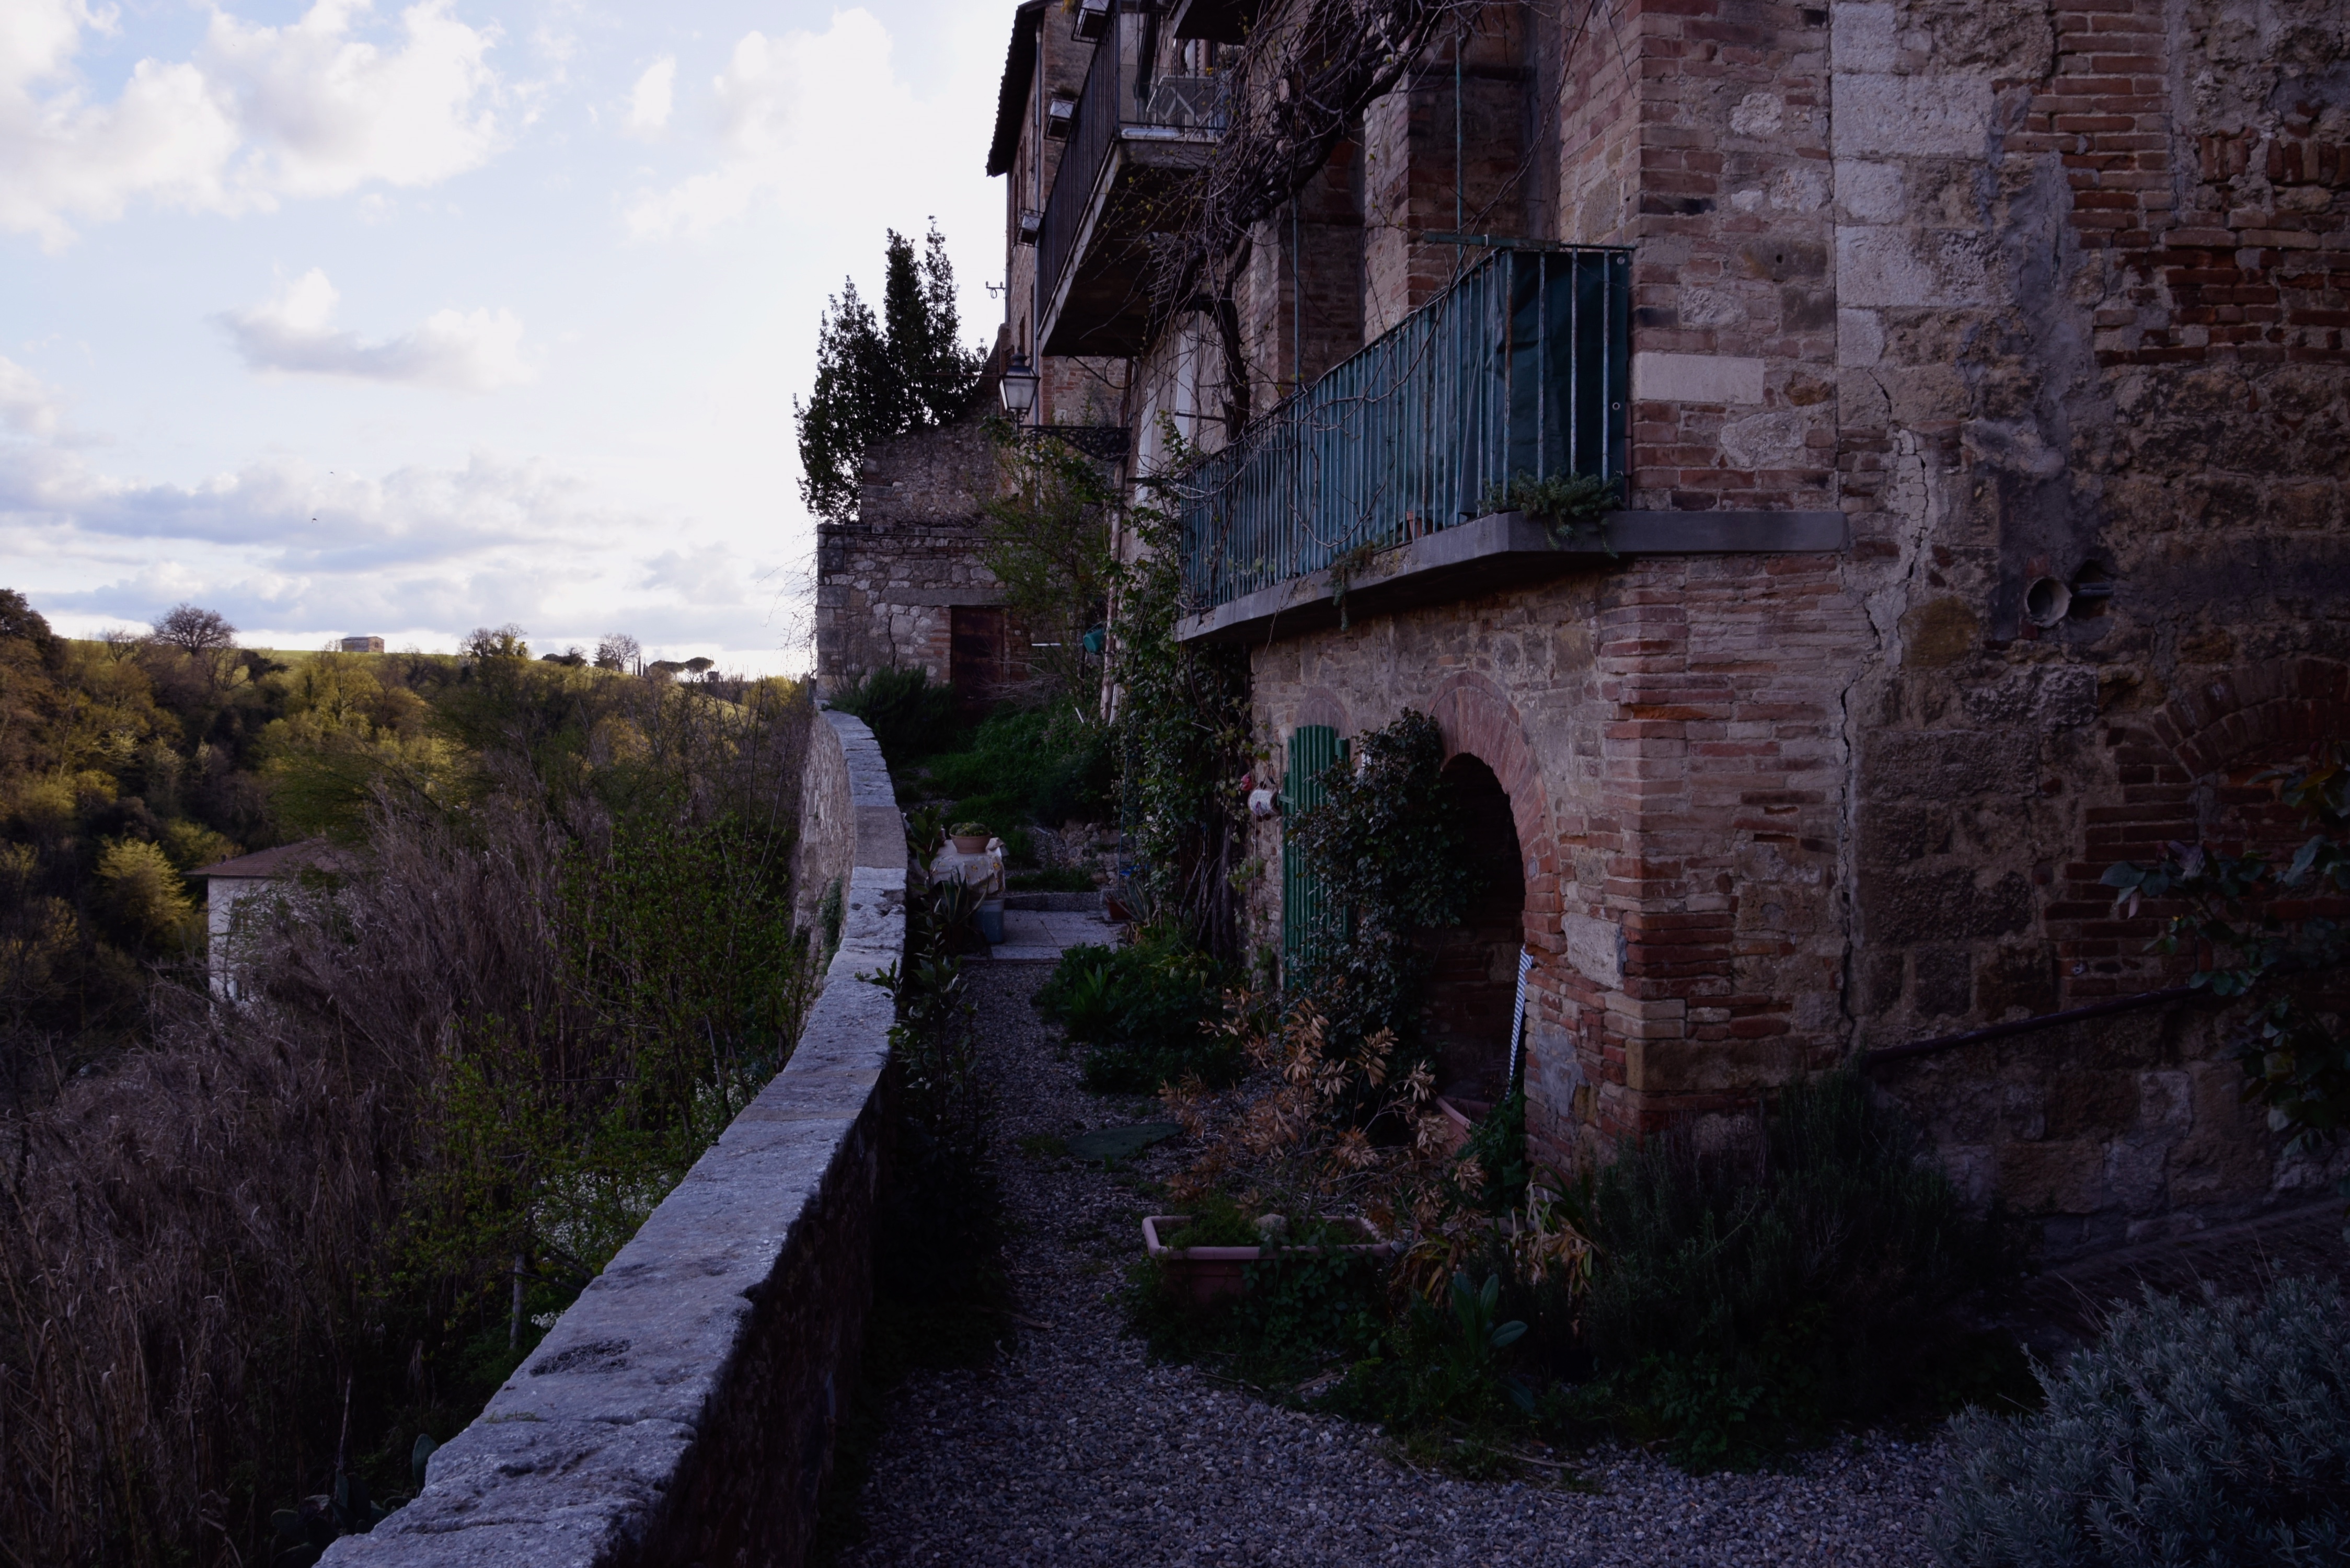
{"x": 907, "y": 713}
{"x": 2214, "y": 1433}
{"x": 1042, "y": 763}
{"x": 1144, "y": 1010}
{"x": 1749, "y": 1293}
{"x": 143, "y": 891}
{"x": 1298, "y": 1314}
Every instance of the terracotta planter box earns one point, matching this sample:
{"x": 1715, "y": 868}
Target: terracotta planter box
{"x": 1459, "y": 1119}
{"x": 1210, "y": 1274}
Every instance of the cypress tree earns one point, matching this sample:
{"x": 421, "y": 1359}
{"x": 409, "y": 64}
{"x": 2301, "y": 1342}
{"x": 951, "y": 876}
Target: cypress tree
{"x": 880, "y": 377}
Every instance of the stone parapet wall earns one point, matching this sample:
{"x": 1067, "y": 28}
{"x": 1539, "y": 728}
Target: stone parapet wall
{"x": 683, "y": 1411}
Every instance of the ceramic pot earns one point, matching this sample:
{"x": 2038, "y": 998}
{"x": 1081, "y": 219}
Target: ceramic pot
{"x": 971, "y": 843}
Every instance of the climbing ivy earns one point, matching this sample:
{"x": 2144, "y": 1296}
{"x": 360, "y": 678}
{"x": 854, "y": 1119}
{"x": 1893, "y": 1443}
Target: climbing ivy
{"x": 1184, "y": 749}
{"x": 1388, "y": 837}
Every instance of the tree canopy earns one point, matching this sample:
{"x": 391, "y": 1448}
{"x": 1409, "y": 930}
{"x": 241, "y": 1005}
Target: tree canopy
{"x": 879, "y": 377}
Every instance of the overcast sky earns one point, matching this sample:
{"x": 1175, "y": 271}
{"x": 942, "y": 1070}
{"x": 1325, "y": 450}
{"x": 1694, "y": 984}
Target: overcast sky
{"x": 340, "y": 318}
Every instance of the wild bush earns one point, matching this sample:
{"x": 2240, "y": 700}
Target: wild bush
{"x": 940, "y": 1293}
{"x": 1143, "y": 1010}
{"x": 1046, "y": 765}
{"x": 460, "y": 1072}
{"x": 908, "y": 715}
{"x": 1759, "y": 1290}
{"x": 2212, "y": 1432}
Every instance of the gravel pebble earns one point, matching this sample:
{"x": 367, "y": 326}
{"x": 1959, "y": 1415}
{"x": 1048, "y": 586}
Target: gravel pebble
{"x": 1072, "y": 1448}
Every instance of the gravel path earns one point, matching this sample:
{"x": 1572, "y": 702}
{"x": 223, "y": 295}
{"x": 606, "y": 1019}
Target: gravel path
{"x": 1073, "y": 1449}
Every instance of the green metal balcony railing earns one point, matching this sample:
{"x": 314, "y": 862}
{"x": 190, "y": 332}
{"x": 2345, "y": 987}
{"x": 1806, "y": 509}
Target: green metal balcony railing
{"x": 1522, "y": 368}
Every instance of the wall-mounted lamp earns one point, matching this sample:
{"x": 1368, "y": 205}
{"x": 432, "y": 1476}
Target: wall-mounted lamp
{"x": 1059, "y": 116}
{"x": 1032, "y": 223}
{"x": 1093, "y": 19}
{"x": 1019, "y": 389}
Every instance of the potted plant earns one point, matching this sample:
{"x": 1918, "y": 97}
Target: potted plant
{"x": 1205, "y": 1257}
{"x": 969, "y": 838}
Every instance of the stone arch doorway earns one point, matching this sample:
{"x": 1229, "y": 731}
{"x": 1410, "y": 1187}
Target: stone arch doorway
{"x": 1473, "y": 976}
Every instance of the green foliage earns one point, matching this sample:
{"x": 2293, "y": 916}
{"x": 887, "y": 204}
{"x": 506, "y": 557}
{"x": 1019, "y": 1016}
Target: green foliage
{"x": 907, "y": 713}
{"x": 940, "y": 1293}
{"x": 1214, "y": 1220}
{"x": 2215, "y": 1433}
{"x": 875, "y": 379}
{"x": 144, "y": 894}
{"x": 1184, "y": 747}
{"x": 562, "y": 1118}
{"x": 1567, "y": 503}
{"x": 1049, "y": 766}
{"x": 1440, "y": 1367}
{"x": 1144, "y": 1010}
{"x": 1494, "y": 1159}
{"x": 1746, "y": 1294}
{"x": 1300, "y": 1311}
{"x": 124, "y": 763}
{"x": 1048, "y": 542}
{"x": 1388, "y": 837}
{"x": 2248, "y": 921}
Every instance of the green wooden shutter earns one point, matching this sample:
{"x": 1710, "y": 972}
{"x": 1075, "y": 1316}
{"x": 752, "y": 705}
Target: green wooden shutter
{"x": 1308, "y": 913}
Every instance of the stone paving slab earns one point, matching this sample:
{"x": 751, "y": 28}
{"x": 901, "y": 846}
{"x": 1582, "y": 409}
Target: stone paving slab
{"x": 1045, "y": 934}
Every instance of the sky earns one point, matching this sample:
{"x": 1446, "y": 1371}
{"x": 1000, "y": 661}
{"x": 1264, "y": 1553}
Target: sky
{"x": 344, "y": 318}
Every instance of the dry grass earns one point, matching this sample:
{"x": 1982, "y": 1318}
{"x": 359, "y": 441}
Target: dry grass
{"x": 203, "y": 1251}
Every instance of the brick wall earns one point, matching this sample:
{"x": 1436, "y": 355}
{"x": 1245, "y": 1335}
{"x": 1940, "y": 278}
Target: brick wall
{"x": 1733, "y": 328}
{"x": 1672, "y": 740}
{"x": 2029, "y": 294}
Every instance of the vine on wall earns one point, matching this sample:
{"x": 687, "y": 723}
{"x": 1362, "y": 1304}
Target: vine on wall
{"x": 1387, "y": 839}
{"x": 1184, "y": 748}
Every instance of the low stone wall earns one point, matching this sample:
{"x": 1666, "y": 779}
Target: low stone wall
{"x": 682, "y": 1410}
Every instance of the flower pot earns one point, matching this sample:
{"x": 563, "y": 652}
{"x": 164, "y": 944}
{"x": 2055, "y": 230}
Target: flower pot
{"x": 971, "y": 843}
{"x": 1206, "y": 1275}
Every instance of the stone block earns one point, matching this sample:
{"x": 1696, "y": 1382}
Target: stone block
{"x": 1945, "y": 115}
{"x": 1945, "y": 980}
{"x": 1889, "y": 265}
{"x": 1947, "y": 764}
{"x": 1696, "y": 377}
{"x": 1595, "y": 948}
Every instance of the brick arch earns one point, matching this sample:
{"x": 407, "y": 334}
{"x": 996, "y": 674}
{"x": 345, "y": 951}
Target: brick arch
{"x": 1477, "y": 717}
{"x": 2259, "y": 712}
{"x": 1320, "y": 705}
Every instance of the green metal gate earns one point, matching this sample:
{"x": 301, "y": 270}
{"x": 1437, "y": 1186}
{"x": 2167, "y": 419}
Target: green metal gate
{"x": 1310, "y": 917}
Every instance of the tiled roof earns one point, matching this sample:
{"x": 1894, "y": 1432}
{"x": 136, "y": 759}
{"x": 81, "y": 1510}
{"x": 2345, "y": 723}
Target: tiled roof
{"x": 283, "y": 861}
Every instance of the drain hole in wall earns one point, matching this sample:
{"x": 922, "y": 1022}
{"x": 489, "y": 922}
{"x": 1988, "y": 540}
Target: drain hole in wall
{"x": 2045, "y": 601}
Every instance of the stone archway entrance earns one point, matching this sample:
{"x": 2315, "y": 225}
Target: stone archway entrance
{"x": 1473, "y": 979}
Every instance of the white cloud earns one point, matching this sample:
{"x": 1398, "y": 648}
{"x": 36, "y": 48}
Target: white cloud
{"x": 292, "y": 331}
{"x": 654, "y": 95}
{"x": 28, "y": 404}
{"x": 810, "y": 115}
{"x": 307, "y": 109}
{"x": 279, "y": 545}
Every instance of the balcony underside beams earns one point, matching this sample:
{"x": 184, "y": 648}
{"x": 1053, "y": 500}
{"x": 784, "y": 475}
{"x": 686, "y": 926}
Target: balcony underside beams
{"x": 1102, "y": 305}
{"x": 1503, "y": 550}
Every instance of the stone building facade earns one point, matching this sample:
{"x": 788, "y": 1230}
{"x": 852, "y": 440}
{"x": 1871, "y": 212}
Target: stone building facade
{"x": 1989, "y": 385}
{"x": 904, "y": 587}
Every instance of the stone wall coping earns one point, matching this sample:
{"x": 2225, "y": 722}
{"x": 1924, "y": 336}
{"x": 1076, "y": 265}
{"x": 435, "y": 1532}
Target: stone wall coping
{"x": 594, "y": 1451}
{"x": 1503, "y": 550}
